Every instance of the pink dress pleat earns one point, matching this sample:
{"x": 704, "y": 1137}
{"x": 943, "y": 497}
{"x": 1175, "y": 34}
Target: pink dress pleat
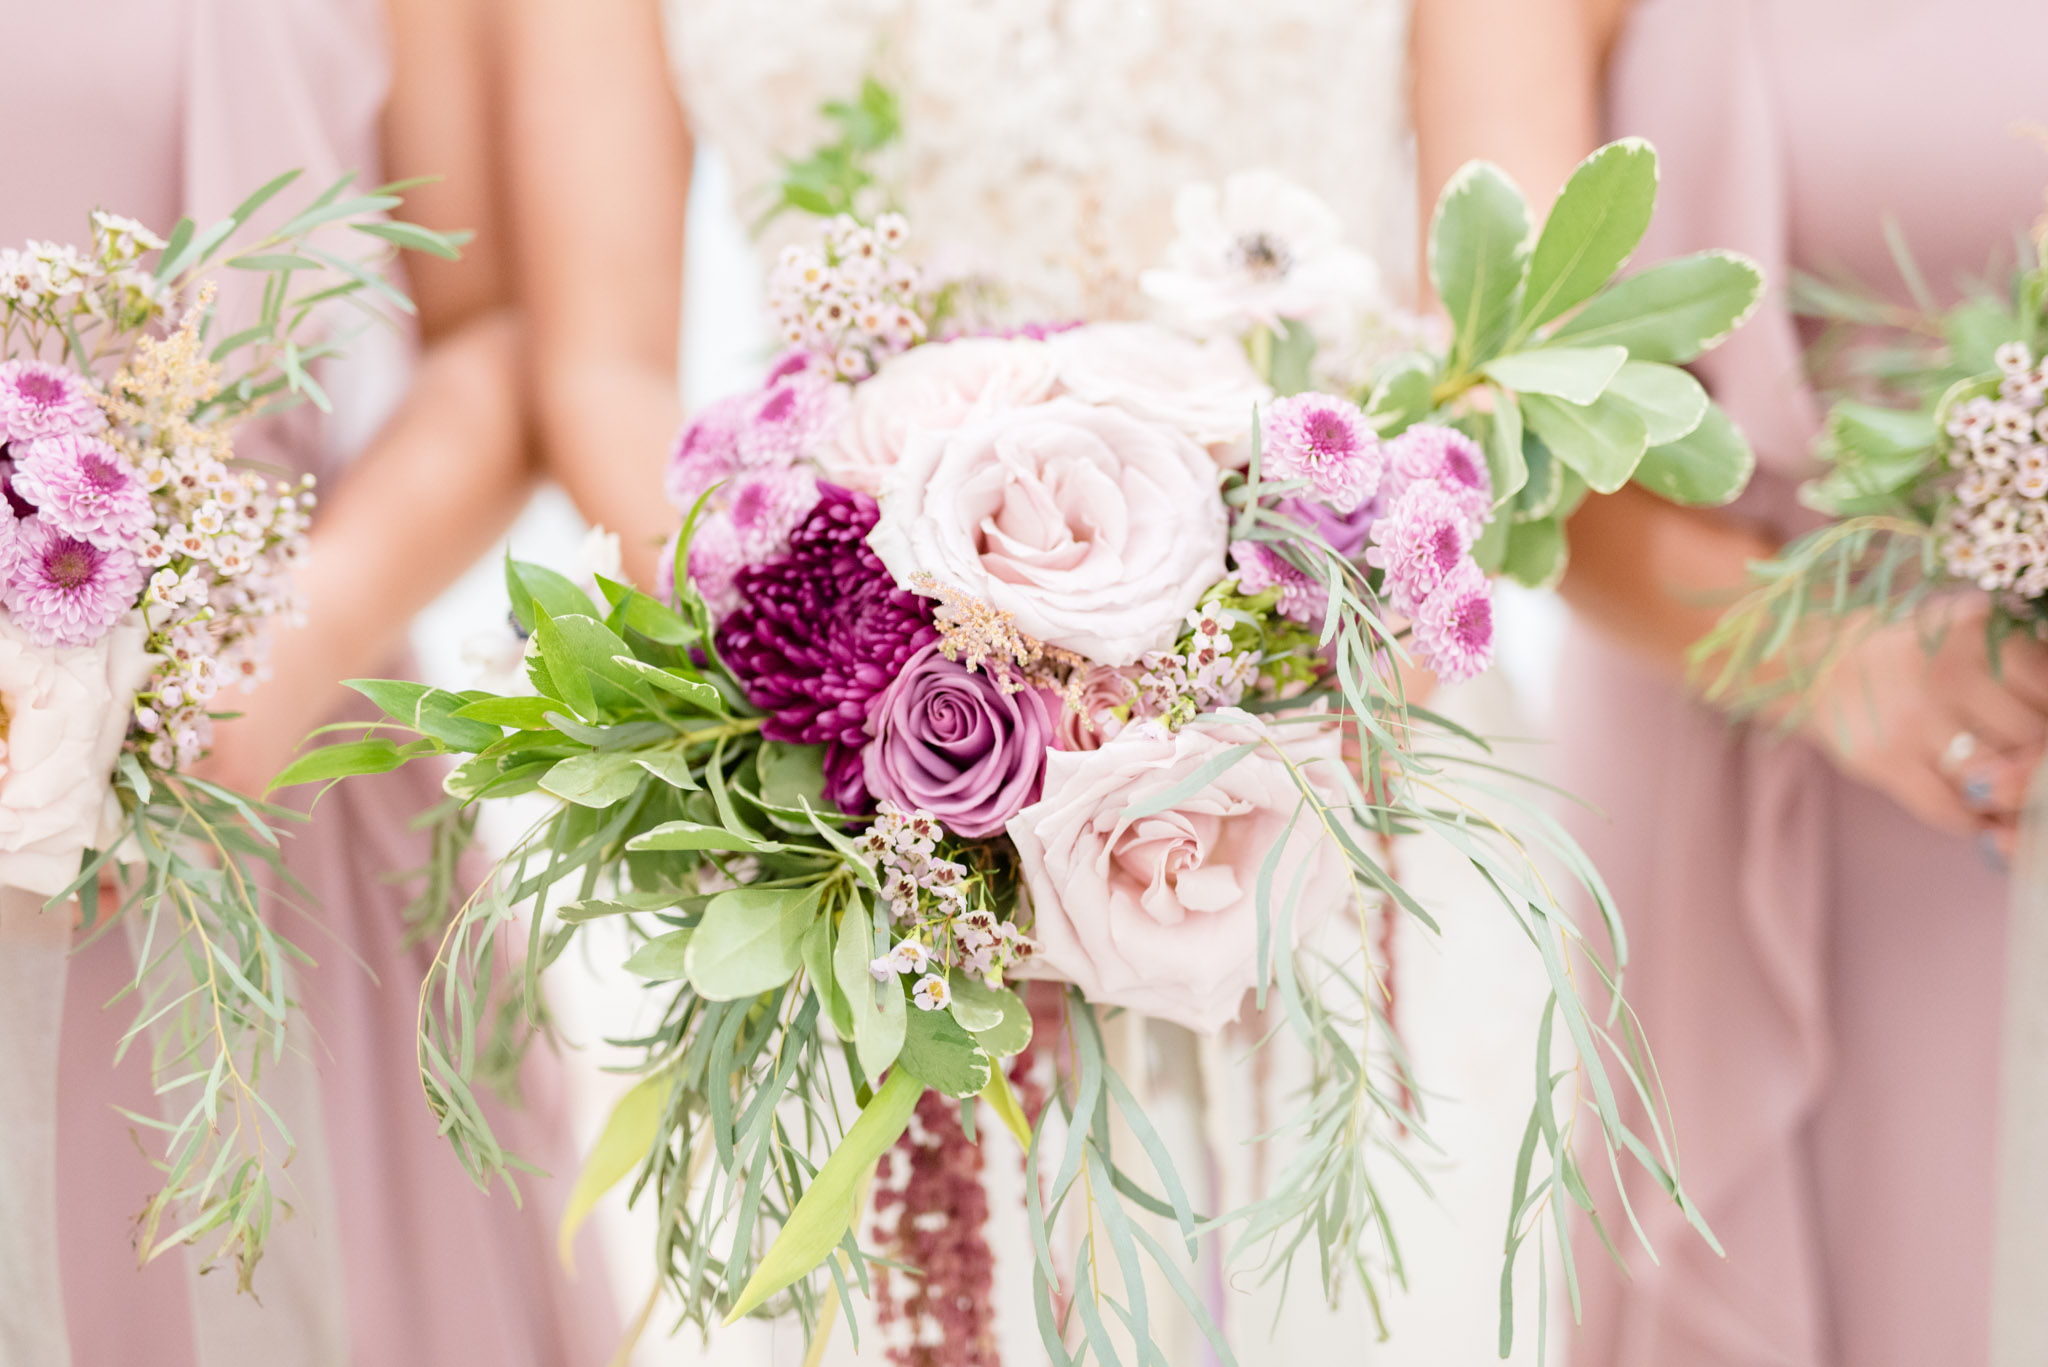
{"x": 210, "y": 98}
{"x": 1819, "y": 975}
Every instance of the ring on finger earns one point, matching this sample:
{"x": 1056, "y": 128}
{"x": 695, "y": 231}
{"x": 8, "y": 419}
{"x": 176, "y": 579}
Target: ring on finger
{"x": 1977, "y": 791}
{"x": 1961, "y": 748}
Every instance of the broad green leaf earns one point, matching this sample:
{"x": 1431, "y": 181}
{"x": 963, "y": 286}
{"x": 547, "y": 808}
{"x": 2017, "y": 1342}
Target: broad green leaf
{"x": 1478, "y": 254}
{"x": 851, "y": 951}
{"x": 524, "y": 713}
{"x": 1490, "y": 547}
{"x": 656, "y": 621}
{"x": 1602, "y": 441}
{"x": 693, "y": 691}
{"x": 1571, "y": 492}
{"x": 750, "y": 941}
{"x": 1538, "y": 498}
{"x": 1672, "y": 311}
{"x": 1575, "y": 374}
{"x": 564, "y": 675}
{"x": 878, "y": 1032}
{"x": 436, "y": 715}
{"x": 792, "y": 776}
{"x": 580, "y": 650}
{"x": 1592, "y": 229}
{"x": 346, "y": 760}
{"x": 1875, "y": 433}
{"x": 1003, "y": 1102}
{"x": 597, "y": 779}
{"x": 396, "y": 697}
{"x": 661, "y": 958}
{"x": 830, "y": 1204}
{"x": 942, "y": 1055}
{"x": 1402, "y": 397}
{"x": 1294, "y": 353}
{"x": 1010, "y": 1033}
{"x": 628, "y": 1134}
{"x": 670, "y": 766}
{"x": 697, "y": 835}
{"x": 1536, "y": 553}
{"x": 1707, "y": 467}
{"x": 1668, "y": 400}
{"x": 1504, "y": 459}
{"x": 527, "y": 584}
{"x": 976, "y": 1005}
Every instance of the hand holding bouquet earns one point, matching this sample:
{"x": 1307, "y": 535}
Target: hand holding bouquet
{"x": 1055, "y": 655}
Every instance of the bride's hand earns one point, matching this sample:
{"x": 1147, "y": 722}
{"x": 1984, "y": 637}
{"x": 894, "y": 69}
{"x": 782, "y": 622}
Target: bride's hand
{"x": 1938, "y": 731}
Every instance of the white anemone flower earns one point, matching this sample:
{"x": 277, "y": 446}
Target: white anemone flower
{"x": 1259, "y": 248}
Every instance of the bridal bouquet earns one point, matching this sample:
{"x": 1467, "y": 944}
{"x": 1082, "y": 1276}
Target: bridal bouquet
{"x": 1007, "y": 680}
{"x": 142, "y": 568}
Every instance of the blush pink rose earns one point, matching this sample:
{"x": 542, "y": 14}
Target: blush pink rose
{"x": 935, "y": 387}
{"x": 1159, "y": 913}
{"x": 1207, "y": 390}
{"x": 1098, "y": 531}
{"x": 1095, "y": 724}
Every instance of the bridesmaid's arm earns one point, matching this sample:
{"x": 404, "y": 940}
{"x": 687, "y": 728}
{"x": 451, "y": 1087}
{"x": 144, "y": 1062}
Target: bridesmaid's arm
{"x": 599, "y": 177}
{"x": 445, "y": 477}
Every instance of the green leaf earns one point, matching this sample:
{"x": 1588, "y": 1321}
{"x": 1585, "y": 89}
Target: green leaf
{"x": 1575, "y": 374}
{"x": 670, "y": 766}
{"x": 995, "y": 1016}
{"x": 943, "y": 1056}
{"x": 527, "y": 584}
{"x": 696, "y": 692}
{"x": 1478, "y": 254}
{"x": 1877, "y": 434}
{"x": 1402, "y": 397}
{"x": 879, "y": 1031}
{"x": 1490, "y": 547}
{"x": 396, "y": 698}
{"x": 1504, "y": 460}
{"x": 1003, "y": 1102}
{"x": 435, "y": 715}
{"x": 346, "y": 760}
{"x": 415, "y": 238}
{"x": 1536, "y": 553}
{"x": 578, "y": 649}
{"x": 598, "y": 779}
{"x": 524, "y": 713}
{"x": 830, "y": 1204}
{"x": 654, "y": 620}
{"x": 792, "y": 776}
{"x": 1672, "y": 311}
{"x": 1707, "y": 467}
{"x": 750, "y": 941}
{"x": 1670, "y": 402}
{"x": 1173, "y": 794}
{"x": 1538, "y": 498}
{"x": 629, "y": 1133}
{"x": 1592, "y": 229}
{"x": 850, "y": 955}
{"x": 1602, "y": 441}
{"x": 661, "y": 959}
{"x": 1294, "y": 353}
{"x": 696, "y": 835}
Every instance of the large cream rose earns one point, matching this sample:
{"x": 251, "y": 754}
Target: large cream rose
{"x": 1098, "y": 531}
{"x": 936, "y": 387}
{"x": 1205, "y": 389}
{"x": 67, "y": 710}
{"x": 1159, "y": 913}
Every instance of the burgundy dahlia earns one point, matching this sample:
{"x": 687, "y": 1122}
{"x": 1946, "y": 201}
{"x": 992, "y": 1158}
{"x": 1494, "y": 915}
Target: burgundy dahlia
{"x": 820, "y": 630}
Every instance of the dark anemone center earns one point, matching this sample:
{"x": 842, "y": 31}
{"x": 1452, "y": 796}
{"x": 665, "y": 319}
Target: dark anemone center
{"x": 1263, "y": 255}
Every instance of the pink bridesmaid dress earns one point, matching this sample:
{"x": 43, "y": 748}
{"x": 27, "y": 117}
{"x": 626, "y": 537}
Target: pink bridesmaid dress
{"x": 1819, "y": 974}
{"x": 157, "y": 108}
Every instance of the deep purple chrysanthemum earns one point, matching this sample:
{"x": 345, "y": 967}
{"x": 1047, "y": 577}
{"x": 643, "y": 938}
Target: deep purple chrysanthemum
{"x": 1451, "y": 459}
{"x": 819, "y": 631}
{"x": 1260, "y": 567}
{"x": 83, "y": 487}
{"x": 1454, "y": 626}
{"x": 39, "y": 400}
{"x": 65, "y": 591}
{"x": 1423, "y": 537}
{"x": 1327, "y": 441}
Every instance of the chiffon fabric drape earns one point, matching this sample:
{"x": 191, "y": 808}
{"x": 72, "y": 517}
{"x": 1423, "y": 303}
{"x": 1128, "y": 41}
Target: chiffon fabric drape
{"x": 1819, "y": 975}
{"x": 157, "y": 108}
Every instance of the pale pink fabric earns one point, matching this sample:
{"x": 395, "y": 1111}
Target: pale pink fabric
{"x": 1819, "y": 975}
{"x": 155, "y": 108}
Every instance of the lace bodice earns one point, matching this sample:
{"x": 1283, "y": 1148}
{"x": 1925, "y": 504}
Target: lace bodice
{"x": 1049, "y": 136}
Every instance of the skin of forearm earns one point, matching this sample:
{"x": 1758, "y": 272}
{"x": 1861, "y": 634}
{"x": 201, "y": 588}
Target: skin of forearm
{"x": 606, "y": 424}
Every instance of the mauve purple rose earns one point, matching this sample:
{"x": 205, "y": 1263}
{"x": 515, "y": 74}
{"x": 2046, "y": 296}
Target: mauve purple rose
{"x": 947, "y": 739}
{"x": 1346, "y": 533}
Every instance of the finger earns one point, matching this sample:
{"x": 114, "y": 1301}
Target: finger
{"x": 1932, "y": 798}
{"x": 1997, "y": 788}
{"x": 2000, "y": 718}
{"x": 2023, "y": 669}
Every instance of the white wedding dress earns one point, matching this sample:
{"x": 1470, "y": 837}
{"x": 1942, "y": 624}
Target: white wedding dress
{"x": 1047, "y": 138}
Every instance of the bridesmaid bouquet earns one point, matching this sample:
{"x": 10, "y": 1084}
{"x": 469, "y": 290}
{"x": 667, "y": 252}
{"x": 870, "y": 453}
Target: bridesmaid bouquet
{"x": 1008, "y": 680}
{"x": 1940, "y": 486}
{"x": 142, "y": 568}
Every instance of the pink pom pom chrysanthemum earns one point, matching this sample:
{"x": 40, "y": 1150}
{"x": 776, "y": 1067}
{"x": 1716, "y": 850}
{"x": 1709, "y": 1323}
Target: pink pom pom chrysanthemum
{"x": 1454, "y": 626}
{"x": 1326, "y": 441}
{"x": 40, "y": 400}
{"x": 1423, "y": 537}
{"x": 63, "y": 590}
{"x": 85, "y": 488}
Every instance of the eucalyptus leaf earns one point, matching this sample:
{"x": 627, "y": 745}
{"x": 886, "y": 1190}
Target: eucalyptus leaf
{"x": 1478, "y": 254}
{"x": 1672, "y": 311}
{"x": 943, "y": 1056}
{"x": 1602, "y": 441}
{"x": 1592, "y": 229}
{"x": 750, "y": 941}
{"x": 1670, "y": 401}
{"x": 1705, "y": 468}
{"x": 1575, "y": 374}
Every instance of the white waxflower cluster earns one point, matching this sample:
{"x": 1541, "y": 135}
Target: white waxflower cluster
{"x": 1178, "y": 685}
{"x": 854, "y": 302}
{"x": 932, "y": 897}
{"x": 1996, "y": 530}
{"x": 47, "y": 284}
{"x": 219, "y": 563}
